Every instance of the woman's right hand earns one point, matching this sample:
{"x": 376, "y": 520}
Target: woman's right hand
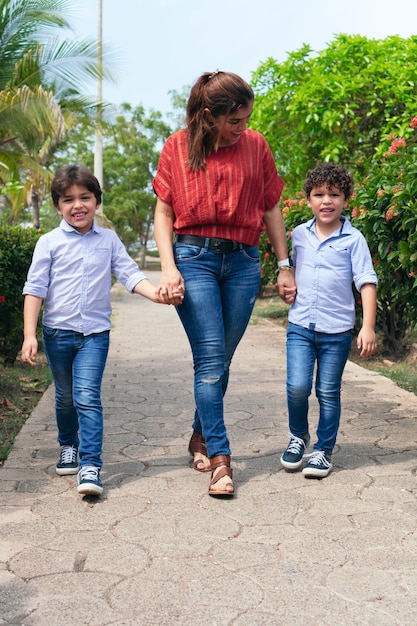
{"x": 171, "y": 288}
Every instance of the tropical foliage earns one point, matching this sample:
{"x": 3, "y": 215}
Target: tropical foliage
{"x": 42, "y": 78}
{"x": 386, "y": 212}
{"x": 335, "y": 105}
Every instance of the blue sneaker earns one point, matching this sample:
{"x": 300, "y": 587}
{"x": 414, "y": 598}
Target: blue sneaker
{"x": 89, "y": 482}
{"x": 319, "y": 465}
{"x": 68, "y": 461}
{"x": 292, "y": 457}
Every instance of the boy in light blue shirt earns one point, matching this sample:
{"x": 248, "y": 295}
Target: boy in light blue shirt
{"x": 328, "y": 255}
{"x": 71, "y": 272}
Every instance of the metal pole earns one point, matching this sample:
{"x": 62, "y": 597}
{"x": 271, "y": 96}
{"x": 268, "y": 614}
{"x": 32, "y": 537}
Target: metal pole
{"x": 98, "y": 152}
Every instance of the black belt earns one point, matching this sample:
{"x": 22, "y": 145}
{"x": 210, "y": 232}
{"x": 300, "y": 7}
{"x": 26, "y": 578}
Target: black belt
{"x": 215, "y": 244}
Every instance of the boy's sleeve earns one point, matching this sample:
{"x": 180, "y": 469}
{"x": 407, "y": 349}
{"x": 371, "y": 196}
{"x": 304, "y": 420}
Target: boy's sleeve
{"x": 37, "y": 283}
{"x": 124, "y": 268}
{"x": 362, "y": 265}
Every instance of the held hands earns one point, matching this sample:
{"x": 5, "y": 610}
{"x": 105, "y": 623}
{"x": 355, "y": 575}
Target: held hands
{"x": 286, "y": 286}
{"x": 171, "y": 288}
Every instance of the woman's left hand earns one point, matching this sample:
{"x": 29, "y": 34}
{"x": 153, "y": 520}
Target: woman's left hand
{"x": 286, "y": 286}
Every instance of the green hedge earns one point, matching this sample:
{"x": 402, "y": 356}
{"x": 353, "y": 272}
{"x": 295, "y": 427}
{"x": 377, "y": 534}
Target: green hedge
{"x": 16, "y": 249}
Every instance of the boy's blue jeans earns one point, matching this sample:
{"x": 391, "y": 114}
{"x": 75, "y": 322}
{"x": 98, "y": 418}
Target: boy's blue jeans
{"x": 77, "y": 364}
{"x": 305, "y": 348}
{"x": 220, "y": 292}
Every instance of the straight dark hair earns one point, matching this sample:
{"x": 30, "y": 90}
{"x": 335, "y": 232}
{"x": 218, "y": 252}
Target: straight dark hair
{"x": 74, "y": 175}
{"x": 214, "y": 94}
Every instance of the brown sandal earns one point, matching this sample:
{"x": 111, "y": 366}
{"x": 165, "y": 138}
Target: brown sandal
{"x": 222, "y": 461}
{"x": 198, "y": 445}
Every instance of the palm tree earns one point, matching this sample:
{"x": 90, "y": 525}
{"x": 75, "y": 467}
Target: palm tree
{"x": 42, "y": 78}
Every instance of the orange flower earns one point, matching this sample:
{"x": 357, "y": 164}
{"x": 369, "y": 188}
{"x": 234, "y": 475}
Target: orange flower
{"x": 391, "y": 212}
{"x": 397, "y": 143}
{"x": 413, "y": 122}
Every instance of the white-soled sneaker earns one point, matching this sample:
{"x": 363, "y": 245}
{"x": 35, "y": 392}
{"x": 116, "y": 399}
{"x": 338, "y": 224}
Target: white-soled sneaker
{"x": 68, "y": 461}
{"x": 292, "y": 457}
{"x": 319, "y": 465}
{"x": 89, "y": 482}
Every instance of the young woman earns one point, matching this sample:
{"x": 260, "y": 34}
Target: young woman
{"x": 218, "y": 189}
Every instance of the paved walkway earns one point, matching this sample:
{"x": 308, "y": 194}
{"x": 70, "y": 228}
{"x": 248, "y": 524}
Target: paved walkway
{"x": 157, "y": 550}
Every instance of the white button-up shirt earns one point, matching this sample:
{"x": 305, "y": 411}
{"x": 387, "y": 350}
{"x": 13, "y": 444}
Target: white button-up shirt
{"x": 324, "y": 273}
{"x": 73, "y": 272}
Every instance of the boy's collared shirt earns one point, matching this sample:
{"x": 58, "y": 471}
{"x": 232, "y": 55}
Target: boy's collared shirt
{"x": 72, "y": 273}
{"x": 324, "y": 273}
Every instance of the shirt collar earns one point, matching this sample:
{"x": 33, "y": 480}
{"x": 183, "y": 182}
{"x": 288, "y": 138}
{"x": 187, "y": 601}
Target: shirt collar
{"x": 70, "y": 229}
{"x": 346, "y": 227}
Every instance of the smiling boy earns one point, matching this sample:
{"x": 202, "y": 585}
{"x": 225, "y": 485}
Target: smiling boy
{"x": 328, "y": 254}
{"x": 71, "y": 272}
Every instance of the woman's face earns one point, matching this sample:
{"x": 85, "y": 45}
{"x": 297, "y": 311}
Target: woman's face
{"x": 230, "y": 127}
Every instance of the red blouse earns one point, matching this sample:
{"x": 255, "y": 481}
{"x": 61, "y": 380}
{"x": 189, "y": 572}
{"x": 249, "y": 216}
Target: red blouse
{"x": 227, "y": 199}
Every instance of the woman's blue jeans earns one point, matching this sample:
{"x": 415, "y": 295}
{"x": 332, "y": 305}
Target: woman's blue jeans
{"x": 77, "y": 363}
{"x": 305, "y": 348}
{"x": 220, "y": 293}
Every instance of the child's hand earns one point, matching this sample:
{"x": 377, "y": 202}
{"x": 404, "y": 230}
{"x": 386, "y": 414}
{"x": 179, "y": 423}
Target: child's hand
{"x": 29, "y": 351}
{"x": 168, "y": 294}
{"x": 285, "y": 285}
{"x": 366, "y": 342}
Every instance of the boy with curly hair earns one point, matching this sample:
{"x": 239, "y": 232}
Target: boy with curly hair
{"x": 328, "y": 255}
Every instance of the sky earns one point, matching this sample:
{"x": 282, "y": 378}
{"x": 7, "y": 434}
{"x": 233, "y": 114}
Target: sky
{"x": 164, "y": 45}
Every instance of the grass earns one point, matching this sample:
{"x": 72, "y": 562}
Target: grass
{"x": 21, "y": 388}
{"x": 402, "y": 371}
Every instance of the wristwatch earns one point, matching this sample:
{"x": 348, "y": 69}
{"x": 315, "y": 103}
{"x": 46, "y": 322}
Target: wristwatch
{"x": 285, "y": 264}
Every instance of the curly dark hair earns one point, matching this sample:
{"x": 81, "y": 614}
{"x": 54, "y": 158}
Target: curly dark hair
{"x": 330, "y": 175}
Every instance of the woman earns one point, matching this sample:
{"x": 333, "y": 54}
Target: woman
{"x": 217, "y": 189}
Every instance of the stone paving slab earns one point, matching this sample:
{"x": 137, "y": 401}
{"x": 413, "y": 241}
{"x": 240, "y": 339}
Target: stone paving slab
{"x": 155, "y": 549}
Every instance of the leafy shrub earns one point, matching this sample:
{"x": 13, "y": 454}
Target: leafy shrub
{"x": 386, "y": 212}
{"x": 16, "y": 249}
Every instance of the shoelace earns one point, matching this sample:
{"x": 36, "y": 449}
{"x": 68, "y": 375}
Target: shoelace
{"x": 68, "y": 454}
{"x": 296, "y": 445}
{"x": 318, "y": 458}
{"x": 89, "y": 473}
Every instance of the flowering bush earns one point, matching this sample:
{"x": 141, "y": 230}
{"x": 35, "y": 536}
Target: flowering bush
{"x": 269, "y": 266}
{"x": 386, "y": 213}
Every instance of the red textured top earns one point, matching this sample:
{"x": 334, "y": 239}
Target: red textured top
{"x": 227, "y": 199}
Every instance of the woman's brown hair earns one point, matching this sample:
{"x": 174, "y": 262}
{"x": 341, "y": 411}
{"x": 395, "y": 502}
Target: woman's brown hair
{"x": 213, "y": 94}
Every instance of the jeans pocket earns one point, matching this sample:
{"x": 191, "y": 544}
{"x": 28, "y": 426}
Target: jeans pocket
{"x": 49, "y": 333}
{"x": 251, "y": 253}
{"x": 186, "y": 252}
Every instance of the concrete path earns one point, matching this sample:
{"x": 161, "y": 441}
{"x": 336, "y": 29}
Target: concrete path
{"x": 156, "y": 550}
